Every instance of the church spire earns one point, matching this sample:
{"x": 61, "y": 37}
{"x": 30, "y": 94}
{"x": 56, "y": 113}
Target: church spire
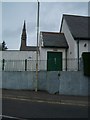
{"x": 23, "y": 37}
{"x": 24, "y": 26}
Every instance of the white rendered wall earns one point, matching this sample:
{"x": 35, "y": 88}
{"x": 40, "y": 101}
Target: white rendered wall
{"x": 18, "y": 55}
{"x": 83, "y": 48}
{"x": 15, "y": 60}
{"x": 72, "y": 51}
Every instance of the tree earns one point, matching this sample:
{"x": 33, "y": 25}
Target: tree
{"x": 4, "y": 47}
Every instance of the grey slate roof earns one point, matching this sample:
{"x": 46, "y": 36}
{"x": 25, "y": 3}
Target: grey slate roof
{"x": 78, "y": 25}
{"x": 30, "y": 48}
{"x": 55, "y": 40}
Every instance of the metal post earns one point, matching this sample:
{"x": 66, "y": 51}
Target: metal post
{"x": 25, "y": 64}
{"x": 3, "y": 62}
{"x": 66, "y": 59}
{"x": 37, "y": 48}
{"x": 78, "y": 53}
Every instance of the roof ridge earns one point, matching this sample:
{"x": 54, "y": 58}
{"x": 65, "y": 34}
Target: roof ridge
{"x": 52, "y": 32}
{"x": 74, "y": 15}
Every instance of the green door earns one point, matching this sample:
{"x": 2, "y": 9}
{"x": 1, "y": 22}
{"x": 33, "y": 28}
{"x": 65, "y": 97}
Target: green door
{"x": 54, "y": 61}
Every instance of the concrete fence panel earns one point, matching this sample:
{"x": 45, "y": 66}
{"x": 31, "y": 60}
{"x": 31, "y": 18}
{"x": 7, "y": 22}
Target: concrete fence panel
{"x": 73, "y": 83}
{"x": 17, "y": 80}
{"x": 42, "y": 80}
{"x": 65, "y": 82}
{"x": 53, "y": 82}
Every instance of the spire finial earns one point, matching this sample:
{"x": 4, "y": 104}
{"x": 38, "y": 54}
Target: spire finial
{"x": 24, "y": 26}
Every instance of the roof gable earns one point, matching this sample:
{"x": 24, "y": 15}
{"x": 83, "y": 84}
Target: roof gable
{"x": 78, "y": 26}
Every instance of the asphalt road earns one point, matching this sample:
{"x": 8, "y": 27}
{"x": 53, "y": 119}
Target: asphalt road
{"x": 28, "y": 109}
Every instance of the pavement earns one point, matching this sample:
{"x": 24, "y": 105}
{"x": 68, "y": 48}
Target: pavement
{"x": 44, "y": 96}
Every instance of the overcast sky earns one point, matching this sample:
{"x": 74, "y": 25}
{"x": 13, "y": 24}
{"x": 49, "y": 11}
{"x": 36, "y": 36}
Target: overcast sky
{"x": 14, "y": 14}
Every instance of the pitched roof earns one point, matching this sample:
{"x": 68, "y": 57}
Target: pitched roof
{"x": 78, "y": 25}
{"x": 52, "y": 39}
{"x": 29, "y": 48}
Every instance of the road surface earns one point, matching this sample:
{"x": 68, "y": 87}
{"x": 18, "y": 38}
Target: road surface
{"x": 26, "y": 109}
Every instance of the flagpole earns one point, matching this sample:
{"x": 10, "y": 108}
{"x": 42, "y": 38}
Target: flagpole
{"x": 37, "y": 47}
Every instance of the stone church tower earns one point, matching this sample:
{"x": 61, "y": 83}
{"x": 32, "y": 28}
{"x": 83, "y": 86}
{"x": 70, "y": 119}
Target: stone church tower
{"x": 23, "y": 38}
{"x": 23, "y": 46}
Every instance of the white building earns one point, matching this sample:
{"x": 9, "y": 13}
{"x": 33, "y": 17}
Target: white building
{"x": 75, "y": 29}
{"x": 53, "y": 51}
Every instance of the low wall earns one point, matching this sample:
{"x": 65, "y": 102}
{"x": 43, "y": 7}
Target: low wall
{"x": 26, "y": 80}
{"x": 48, "y": 81}
{"x": 74, "y": 83}
{"x": 18, "y": 80}
{"x": 67, "y": 83}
